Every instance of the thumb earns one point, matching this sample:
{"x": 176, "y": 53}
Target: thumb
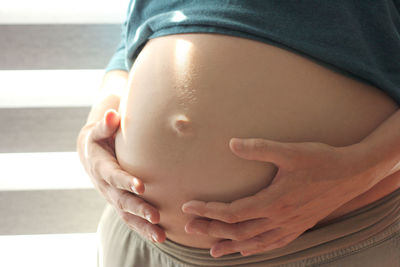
{"x": 262, "y": 150}
{"x": 106, "y": 127}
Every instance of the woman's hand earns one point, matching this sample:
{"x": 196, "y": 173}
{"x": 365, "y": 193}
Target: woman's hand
{"x": 312, "y": 181}
{"x": 97, "y": 153}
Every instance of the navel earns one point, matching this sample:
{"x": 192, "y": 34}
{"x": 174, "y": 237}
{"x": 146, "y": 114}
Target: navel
{"x": 181, "y": 124}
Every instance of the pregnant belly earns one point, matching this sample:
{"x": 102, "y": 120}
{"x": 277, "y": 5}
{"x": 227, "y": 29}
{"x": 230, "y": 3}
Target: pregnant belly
{"x": 189, "y": 94}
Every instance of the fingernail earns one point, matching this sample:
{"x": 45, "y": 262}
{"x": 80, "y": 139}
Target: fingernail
{"x": 237, "y": 143}
{"x": 154, "y": 237}
{"x": 191, "y": 206}
{"x": 148, "y": 217}
{"x": 217, "y": 254}
{"x": 133, "y": 188}
{"x": 186, "y": 208}
{"x": 244, "y": 253}
{"x": 135, "y": 184}
{"x": 188, "y": 229}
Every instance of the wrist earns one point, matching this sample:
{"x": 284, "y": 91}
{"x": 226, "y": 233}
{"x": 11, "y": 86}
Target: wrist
{"x": 366, "y": 164}
{"x": 82, "y": 139}
{"x": 114, "y": 85}
{"x": 382, "y": 146}
{"x": 361, "y": 169}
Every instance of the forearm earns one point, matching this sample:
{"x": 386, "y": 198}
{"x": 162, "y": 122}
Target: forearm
{"x": 113, "y": 85}
{"x": 381, "y": 149}
{"x": 108, "y": 97}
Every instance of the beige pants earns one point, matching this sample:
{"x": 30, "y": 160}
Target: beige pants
{"x": 368, "y": 237}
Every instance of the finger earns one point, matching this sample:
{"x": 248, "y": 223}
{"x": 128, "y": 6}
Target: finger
{"x": 143, "y": 227}
{"x": 128, "y": 202}
{"x": 109, "y": 170}
{"x": 107, "y": 126}
{"x": 262, "y": 150}
{"x": 237, "y": 211}
{"x": 278, "y": 244}
{"x": 267, "y": 241}
{"x": 105, "y": 166}
{"x": 252, "y": 207}
{"x": 256, "y": 243}
{"x": 238, "y": 231}
{"x": 112, "y": 118}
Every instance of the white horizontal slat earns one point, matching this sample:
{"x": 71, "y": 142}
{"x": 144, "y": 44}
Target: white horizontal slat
{"x": 48, "y": 88}
{"x": 62, "y": 11}
{"x": 37, "y": 171}
{"x": 49, "y": 250}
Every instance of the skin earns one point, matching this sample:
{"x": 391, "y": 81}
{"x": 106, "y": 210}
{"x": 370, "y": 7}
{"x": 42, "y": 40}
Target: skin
{"x": 96, "y": 149}
{"x": 169, "y": 90}
{"x": 272, "y": 206}
{"x": 277, "y": 215}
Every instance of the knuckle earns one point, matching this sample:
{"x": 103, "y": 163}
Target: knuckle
{"x": 99, "y": 126}
{"x": 94, "y": 130}
{"x": 89, "y": 130}
{"x": 231, "y": 218}
{"x": 241, "y": 235}
{"x": 282, "y": 243}
{"x": 134, "y": 225}
{"x": 120, "y": 202}
{"x": 259, "y": 145}
{"x": 96, "y": 167}
{"x": 285, "y": 208}
{"x": 102, "y": 187}
{"x": 143, "y": 229}
{"x": 218, "y": 229}
{"x": 259, "y": 243}
{"x": 108, "y": 199}
{"x": 111, "y": 179}
{"x": 125, "y": 217}
{"x": 233, "y": 214}
{"x": 103, "y": 171}
{"x": 120, "y": 176}
{"x": 140, "y": 209}
{"x": 290, "y": 238}
{"x": 93, "y": 167}
{"x": 242, "y": 213}
{"x": 213, "y": 227}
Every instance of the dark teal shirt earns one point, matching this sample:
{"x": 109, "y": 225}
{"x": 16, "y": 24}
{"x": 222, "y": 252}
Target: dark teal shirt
{"x": 357, "y": 38}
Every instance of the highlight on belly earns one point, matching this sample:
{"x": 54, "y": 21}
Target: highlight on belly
{"x": 184, "y": 72}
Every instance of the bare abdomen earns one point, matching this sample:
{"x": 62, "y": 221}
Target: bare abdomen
{"x": 189, "y": 94}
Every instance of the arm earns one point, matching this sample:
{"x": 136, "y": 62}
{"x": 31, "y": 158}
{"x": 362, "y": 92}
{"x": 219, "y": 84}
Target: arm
{"x": 383, "y": 148}
{"x": 96, "y": 149}
{"x": 109, "y": 95}
{"x": 95, "y": 146}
